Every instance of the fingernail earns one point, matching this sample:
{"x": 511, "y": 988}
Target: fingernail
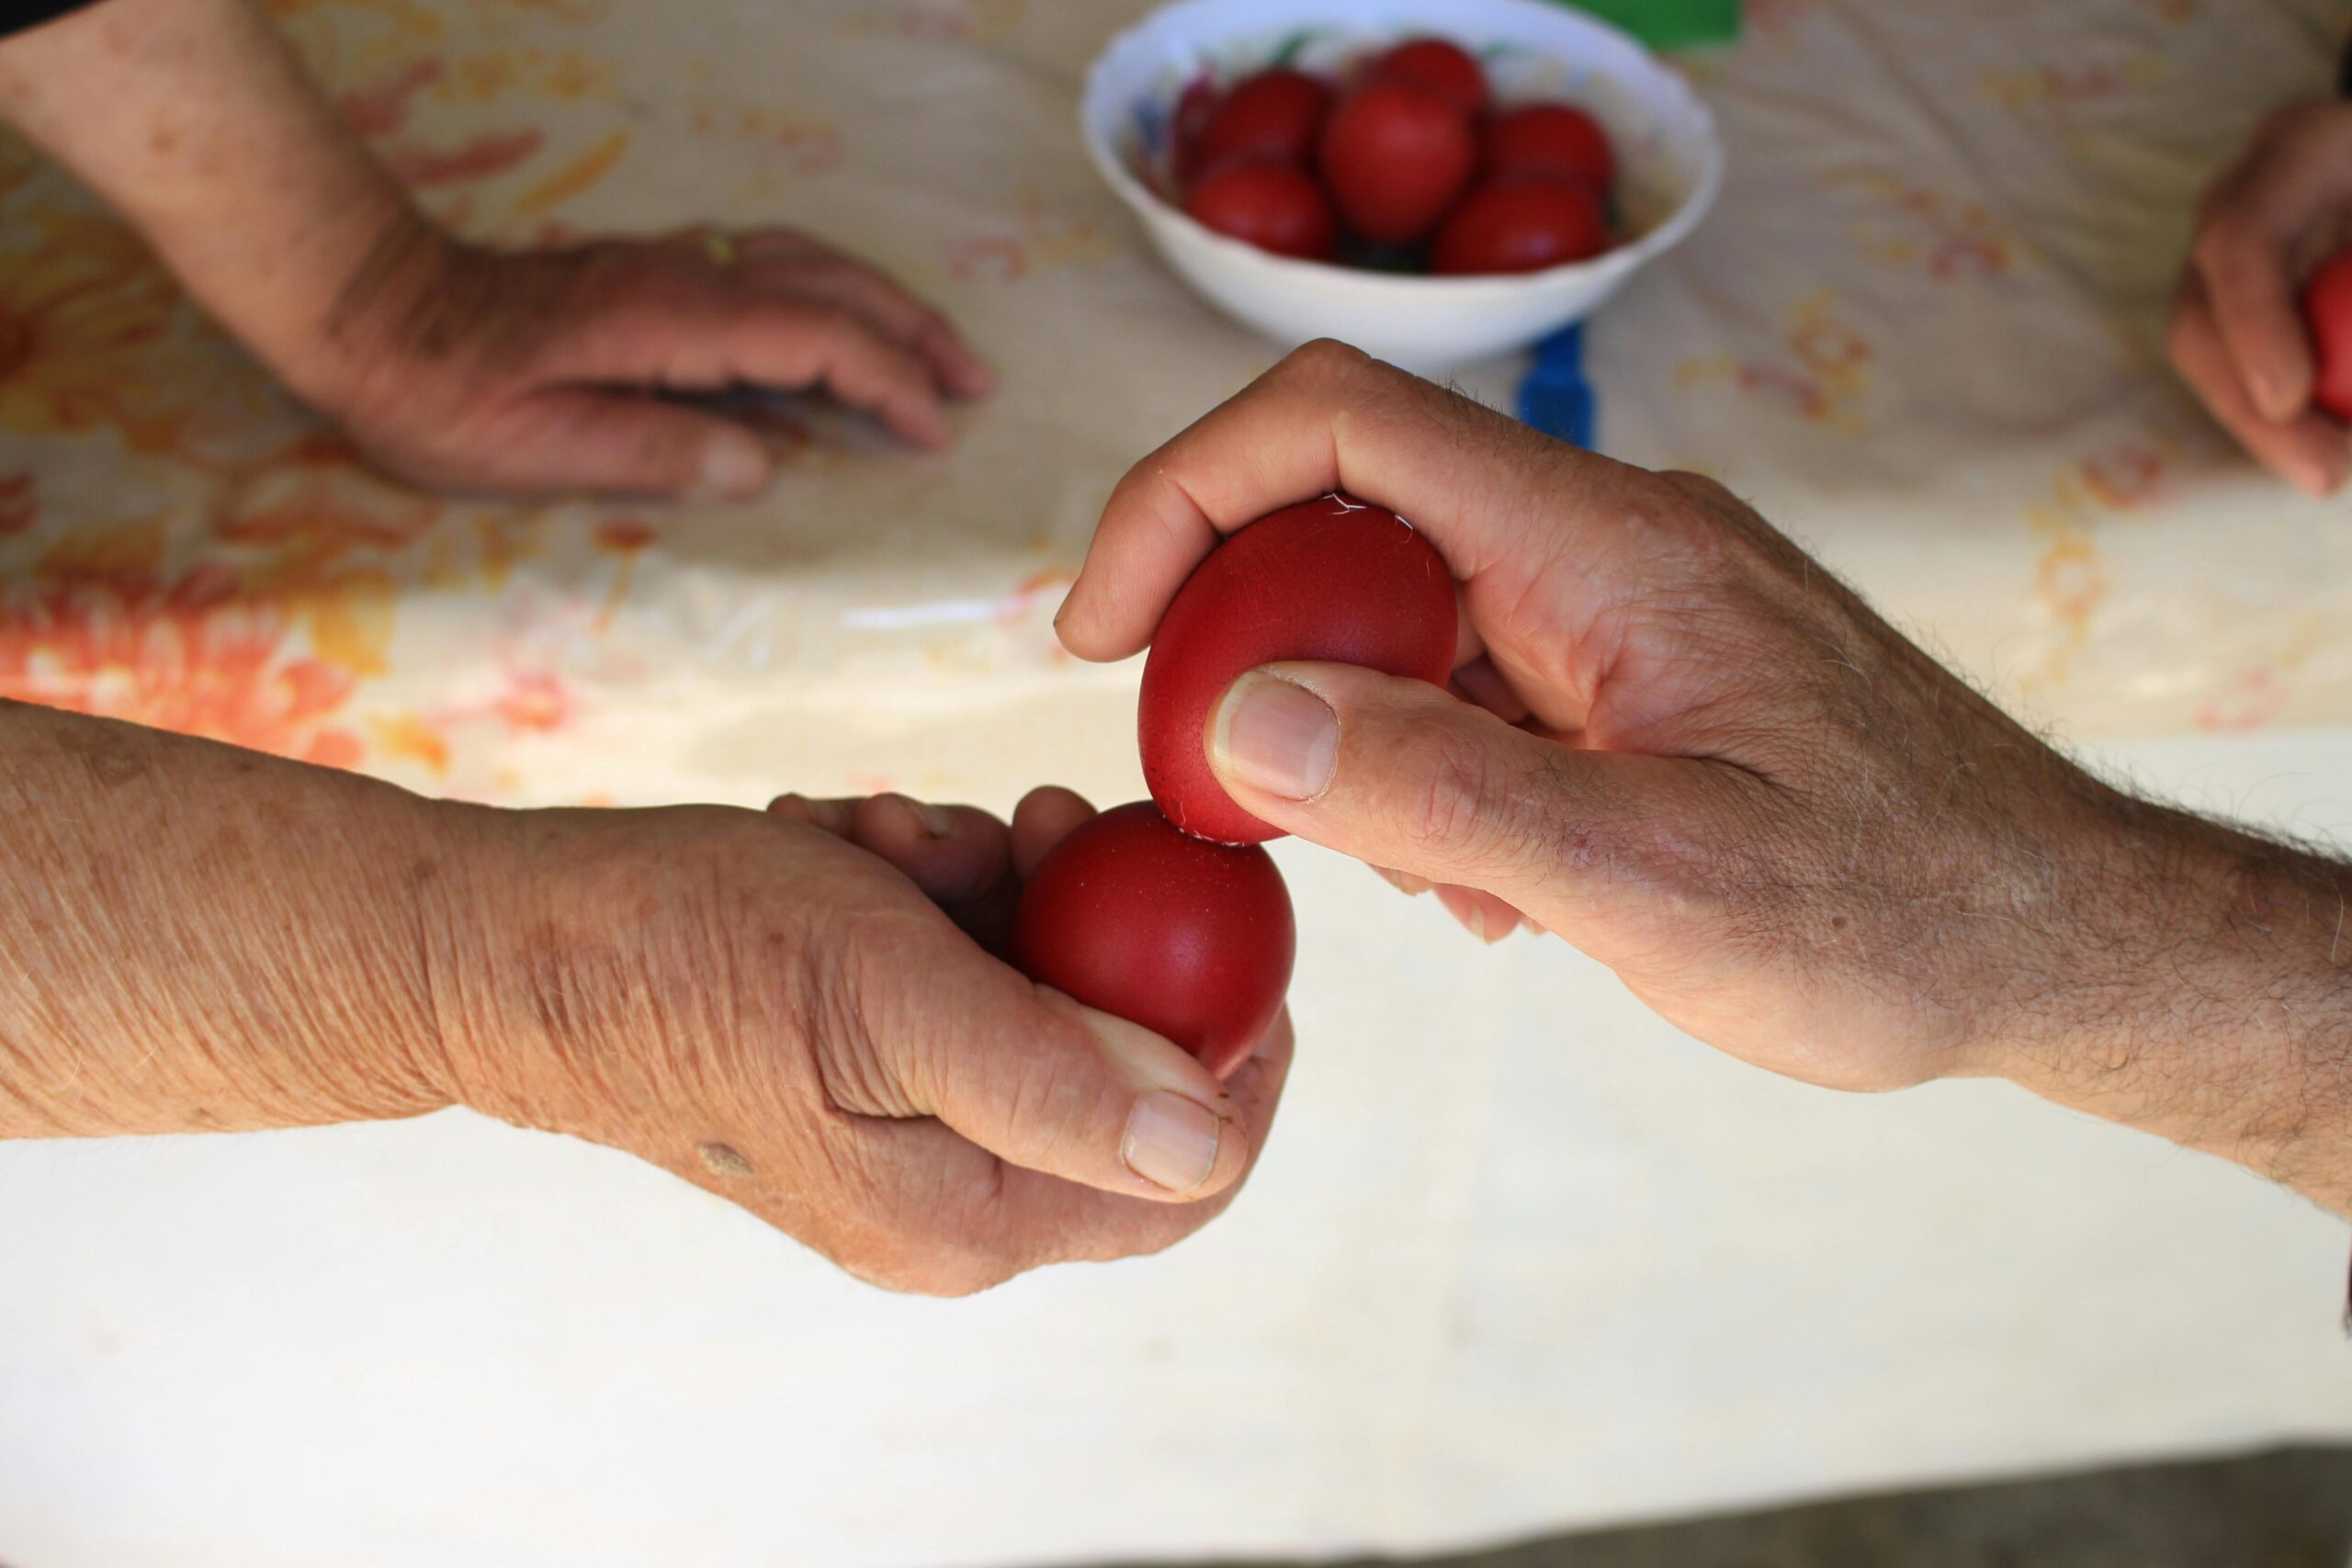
{"x": 1275, "y": 736}
{"x": 1171, "y": 1142}
{"x": 934, "y": 822}
{"x": 734, "y": 467}
{"x": 1474, "y": 916}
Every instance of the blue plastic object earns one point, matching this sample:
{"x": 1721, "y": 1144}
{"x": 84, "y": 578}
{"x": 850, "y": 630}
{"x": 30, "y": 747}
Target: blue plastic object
{"x": 1556, "y": 398}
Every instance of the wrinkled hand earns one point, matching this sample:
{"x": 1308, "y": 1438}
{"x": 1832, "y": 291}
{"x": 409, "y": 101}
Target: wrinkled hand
{"x": 796, "y": 1010}
{"x": 1689, "y": 750}
{"x": 568, "y": 369}
{"x": 2237, "y": 331}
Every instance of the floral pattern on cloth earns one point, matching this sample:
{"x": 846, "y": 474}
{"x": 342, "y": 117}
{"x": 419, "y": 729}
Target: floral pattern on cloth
{"x": 1923, "y": 330}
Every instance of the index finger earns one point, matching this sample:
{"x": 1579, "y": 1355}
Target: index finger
{"x": 1330, "y": 417}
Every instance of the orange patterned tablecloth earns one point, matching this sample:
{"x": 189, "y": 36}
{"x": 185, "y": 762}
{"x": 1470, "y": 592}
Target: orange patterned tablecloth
{"x": 1520, "y": 1255}
{"x": 1922, "y": 331}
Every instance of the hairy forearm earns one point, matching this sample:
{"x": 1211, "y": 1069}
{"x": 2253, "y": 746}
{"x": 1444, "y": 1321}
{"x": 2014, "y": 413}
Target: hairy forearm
{"x": 196, "y": 938}
{"x": 2216, "y": 1006}
{"x": 194, "y": 119}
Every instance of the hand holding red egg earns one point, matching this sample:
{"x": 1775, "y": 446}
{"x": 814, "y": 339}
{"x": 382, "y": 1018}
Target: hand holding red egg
{"x": 1180, "y": 922}
{"x": 1332, "y": 579}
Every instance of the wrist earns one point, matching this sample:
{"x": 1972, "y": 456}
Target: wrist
{"x": 2207, "y": 998}
{"x": 195, "y": 120}
{"x": 577, "y": 956}
{"x": 365, "y": 342}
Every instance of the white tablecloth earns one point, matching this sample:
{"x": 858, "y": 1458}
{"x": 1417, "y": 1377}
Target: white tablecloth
{"x": 1520, "y": 1257}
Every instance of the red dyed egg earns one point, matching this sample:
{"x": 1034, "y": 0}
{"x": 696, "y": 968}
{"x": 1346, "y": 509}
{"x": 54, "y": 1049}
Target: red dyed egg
{"x": 1395, "y": 155}
{"x": 1191, "y": 940}
{"x": 1275, "y": 114}
{"x": 1556, "y": 139}
{"x": 1332, "y": 579}
{"x": 1445, "y": 68}
{"x": 1275, "y": 206}
{"x": 1521, "y": 224}
{"x": 2327, "y": 311}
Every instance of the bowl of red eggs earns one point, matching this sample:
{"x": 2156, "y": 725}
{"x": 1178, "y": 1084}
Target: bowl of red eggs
{"x": 1436, "y": 181}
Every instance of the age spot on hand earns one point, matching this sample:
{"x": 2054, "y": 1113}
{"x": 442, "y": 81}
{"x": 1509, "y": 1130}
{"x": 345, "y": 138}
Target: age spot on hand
{"x": 721, "y": 1160}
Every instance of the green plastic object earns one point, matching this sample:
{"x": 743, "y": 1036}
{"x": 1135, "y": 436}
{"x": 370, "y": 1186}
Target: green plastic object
{"x": 1668, "y": 24}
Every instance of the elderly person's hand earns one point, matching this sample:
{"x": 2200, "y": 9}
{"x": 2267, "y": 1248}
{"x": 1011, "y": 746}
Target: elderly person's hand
{"x": 1684, "y": 747}
{"x": 561, "y": 369}
{"x": 564, "y": 368}
{"x": 797, "y": 1010}
{"x": 2238, "y": 337}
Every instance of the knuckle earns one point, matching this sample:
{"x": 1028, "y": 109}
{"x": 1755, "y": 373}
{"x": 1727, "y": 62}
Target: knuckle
{"x": 1700, "y": 487}
{"x": 1454, "y": 807}
{"x": 1326, "y": 362}
{"x": 831, "y": 319}
{"x": 1694, "y": 521}
{"x": 1055, "y": 1101}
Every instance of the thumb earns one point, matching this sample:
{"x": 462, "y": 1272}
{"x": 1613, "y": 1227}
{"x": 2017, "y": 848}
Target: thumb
{"x": 1402, "y": 774}
{"x": 635, "y": 444}
{"x": 1046, "y": 1084}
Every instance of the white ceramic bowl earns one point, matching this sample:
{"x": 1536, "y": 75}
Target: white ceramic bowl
{"x": 1670, "y": 158}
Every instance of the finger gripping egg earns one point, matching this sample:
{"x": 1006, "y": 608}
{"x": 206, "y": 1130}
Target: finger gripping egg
{"x": 1191, "y": 939}
{"x": 1333, "y": 578}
